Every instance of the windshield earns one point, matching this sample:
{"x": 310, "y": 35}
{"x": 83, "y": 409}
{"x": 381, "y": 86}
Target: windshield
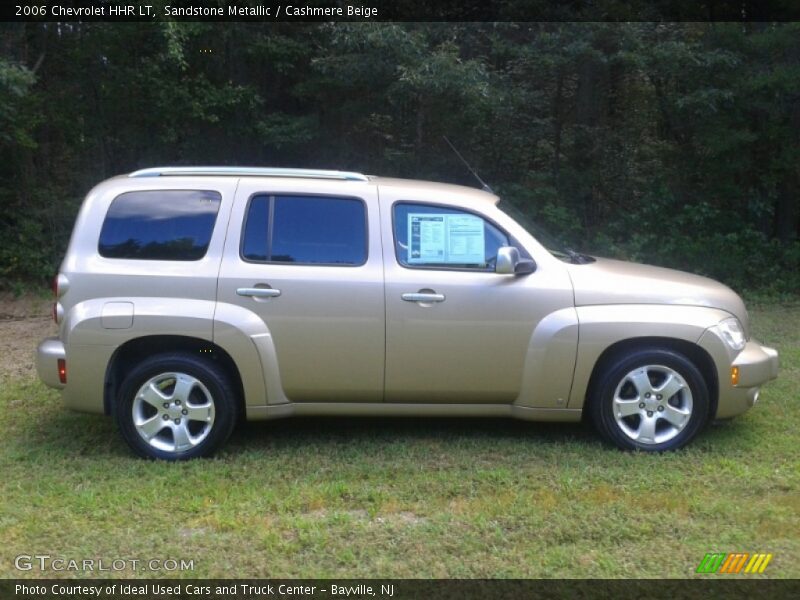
{"x": 553, "y": 245}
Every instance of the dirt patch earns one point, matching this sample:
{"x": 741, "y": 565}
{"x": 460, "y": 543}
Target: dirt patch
{"x": 24, "y": 322}
{"x": 24, "y": 307}
{"x": 401, "y": 518}
{"x": 398, "y": 518}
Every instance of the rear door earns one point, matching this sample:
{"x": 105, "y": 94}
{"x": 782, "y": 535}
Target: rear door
{"x": 305, "y": 256}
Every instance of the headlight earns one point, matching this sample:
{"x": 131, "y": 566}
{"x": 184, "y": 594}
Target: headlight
{"x": 732, "y": 333}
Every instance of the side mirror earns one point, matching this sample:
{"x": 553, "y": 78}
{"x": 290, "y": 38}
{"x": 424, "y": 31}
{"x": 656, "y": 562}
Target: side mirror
{"x": 509, "y": 263}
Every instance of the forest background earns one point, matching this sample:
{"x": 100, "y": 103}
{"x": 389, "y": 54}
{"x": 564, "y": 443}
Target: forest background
{"x": 668, "y": 143}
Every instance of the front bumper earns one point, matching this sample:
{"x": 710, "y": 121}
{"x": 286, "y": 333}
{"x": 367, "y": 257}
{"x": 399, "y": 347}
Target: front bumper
{"x": 47, "y": 357}
{"x": 757, "y": 365}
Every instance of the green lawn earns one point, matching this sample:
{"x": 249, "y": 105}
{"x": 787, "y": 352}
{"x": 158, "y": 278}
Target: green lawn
{"x": 409, "y": 498}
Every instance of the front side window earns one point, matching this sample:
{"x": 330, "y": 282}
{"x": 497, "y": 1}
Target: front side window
{"x": 310, "y": 230}
{"x": 437, "y": 237}
{"x": 159, "y": 225}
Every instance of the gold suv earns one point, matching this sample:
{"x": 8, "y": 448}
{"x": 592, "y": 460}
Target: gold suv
{"x": 192, "y": 296}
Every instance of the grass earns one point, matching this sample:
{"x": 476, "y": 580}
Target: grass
{"x": 408, "y": 498}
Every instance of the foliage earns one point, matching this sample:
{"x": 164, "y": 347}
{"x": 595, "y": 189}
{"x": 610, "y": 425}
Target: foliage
{"x": 673, "y": 143}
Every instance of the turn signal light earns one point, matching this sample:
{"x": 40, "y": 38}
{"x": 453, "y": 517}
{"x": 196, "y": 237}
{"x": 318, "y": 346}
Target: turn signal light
{"x": 62, "y": 370}
{"x": 734, "y": 375}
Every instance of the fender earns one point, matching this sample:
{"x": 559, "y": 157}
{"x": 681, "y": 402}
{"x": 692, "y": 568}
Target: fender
{"x": 550, "y": 361}
{"x": 92, "y": 333}
{"x": 246, "y": 337}
{"x": 603, "y": 326}
{"x": 87, "y": 323}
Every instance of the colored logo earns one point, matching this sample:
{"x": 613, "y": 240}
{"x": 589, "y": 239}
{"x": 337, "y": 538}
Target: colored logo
{"x": 734, "y": 563}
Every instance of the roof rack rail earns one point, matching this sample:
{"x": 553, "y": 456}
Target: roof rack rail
{"x": 250, "y": 172}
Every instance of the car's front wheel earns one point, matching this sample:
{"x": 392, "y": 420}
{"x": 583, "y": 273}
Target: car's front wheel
{"x": 176, "y": 407}
{"x": 650, "y": 399}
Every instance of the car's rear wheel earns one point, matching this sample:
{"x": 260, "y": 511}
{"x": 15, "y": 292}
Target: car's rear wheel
{"x": 176, "y": 407}
{"x": 650, "y": 399}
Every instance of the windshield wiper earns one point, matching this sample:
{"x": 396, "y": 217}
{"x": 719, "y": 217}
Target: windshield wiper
{"x": 578, "y": 258}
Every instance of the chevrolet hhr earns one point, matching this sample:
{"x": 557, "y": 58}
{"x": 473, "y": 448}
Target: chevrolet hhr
{"x": 192, "y": 297}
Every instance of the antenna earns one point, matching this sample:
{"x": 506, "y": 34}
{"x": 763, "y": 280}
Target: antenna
{"x": 484, "y": 185}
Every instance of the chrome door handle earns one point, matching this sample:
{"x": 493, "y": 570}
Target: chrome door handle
{"x": 423, "y": 297}
{"x": 258, "y": 292}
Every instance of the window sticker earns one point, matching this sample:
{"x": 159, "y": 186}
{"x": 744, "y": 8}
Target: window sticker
{"x": 445, "y": 239}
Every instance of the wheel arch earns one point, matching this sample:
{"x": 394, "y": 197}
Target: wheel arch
{"x": 129, "y": 354}
{"x": 697, "y": 355}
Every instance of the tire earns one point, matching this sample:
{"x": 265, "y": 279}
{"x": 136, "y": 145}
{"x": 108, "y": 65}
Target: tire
{"x": 650, "y": 399}
{"x": 176, "y": 406}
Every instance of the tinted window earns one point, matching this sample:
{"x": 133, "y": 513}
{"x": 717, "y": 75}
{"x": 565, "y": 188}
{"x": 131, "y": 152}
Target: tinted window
{"x": 256, "y": 226}
{"x": 434, "y": 236}
{"x": 159, "y": 225}
{"x": 306, "y": 230}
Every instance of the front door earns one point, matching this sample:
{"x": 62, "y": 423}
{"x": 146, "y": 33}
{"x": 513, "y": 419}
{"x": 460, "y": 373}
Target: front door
{"x": 456, "y": 331}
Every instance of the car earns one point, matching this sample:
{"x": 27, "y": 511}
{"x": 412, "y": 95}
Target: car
{"x": 191, "y": 298}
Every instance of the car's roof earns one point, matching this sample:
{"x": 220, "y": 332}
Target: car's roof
{"x": 472, "y": 193}
{"x": 467, "y": 194}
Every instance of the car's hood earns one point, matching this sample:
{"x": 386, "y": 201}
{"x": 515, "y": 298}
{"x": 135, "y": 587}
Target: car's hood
{"x": 609, "y": 281}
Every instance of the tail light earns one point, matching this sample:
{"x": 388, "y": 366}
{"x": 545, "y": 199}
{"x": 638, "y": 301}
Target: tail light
{"x": 60, "y": 285}
{"x": 62, "y": 370}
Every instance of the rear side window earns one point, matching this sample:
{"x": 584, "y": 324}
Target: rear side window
{"x": 310, "y": 230}
{"x": 159, "y": 225}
